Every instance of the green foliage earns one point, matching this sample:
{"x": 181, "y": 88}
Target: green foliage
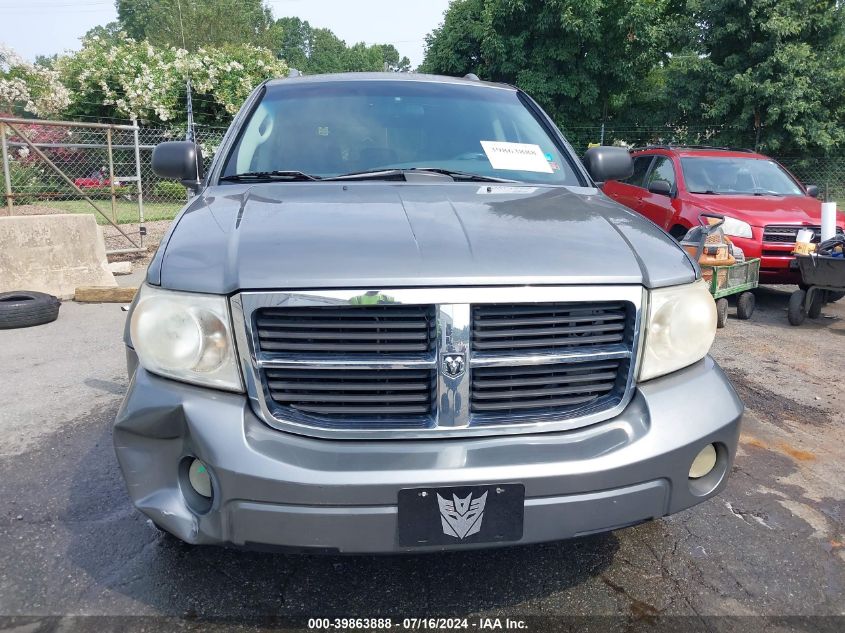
{"x": 582, "y": 59}
{"x": 169, "y": 190}
{"x": 315, "y": 51}
{"x": 203, "y": 23}
{"x": 727, "y": 72}
{"x": 121, "y": 76}
{"x": 767, "y": 70}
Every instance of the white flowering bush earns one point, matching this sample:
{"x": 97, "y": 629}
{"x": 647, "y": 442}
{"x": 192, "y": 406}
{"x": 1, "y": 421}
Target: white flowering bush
{"x": 133, "y": 79}
{"x": 36, "y": 89}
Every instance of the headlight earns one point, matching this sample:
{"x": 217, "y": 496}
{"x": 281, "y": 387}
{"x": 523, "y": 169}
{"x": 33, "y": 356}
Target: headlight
{"x": 736, "y": 228}
{"x": 185, "y": 336}
{"x": 680, "y": 328}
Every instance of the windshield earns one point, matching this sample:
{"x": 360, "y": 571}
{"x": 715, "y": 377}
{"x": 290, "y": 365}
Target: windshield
{"x": 738, "y": 176}
{"x": 327, "y": 129}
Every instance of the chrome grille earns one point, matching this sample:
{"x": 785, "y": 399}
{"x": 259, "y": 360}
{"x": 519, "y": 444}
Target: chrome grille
{"x": 547, "y": 326}
{"x": 373, "y": 329}
{"x": 788, "y": 234}
{"x": 432, "y": 362}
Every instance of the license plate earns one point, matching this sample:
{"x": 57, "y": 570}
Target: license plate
{"x": 461, "y": 515}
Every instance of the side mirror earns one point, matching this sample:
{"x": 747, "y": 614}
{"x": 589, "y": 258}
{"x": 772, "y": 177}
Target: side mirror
{"x": 812, "y": 191}
{"x": 660, "y": 187}
{"x": 608, "y": 163}
{"x": 179, "y": 160}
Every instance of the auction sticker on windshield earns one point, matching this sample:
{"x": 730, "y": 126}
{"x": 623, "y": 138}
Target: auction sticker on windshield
{"x": 516, "y": 156}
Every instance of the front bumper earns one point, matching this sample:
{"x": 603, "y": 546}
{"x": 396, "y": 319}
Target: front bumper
{"x": 276, "y": 488}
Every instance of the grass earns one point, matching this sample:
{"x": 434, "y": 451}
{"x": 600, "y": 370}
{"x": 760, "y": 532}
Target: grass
{"x": 127, "y": 212}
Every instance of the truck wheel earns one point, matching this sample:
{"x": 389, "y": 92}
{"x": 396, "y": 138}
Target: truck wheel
{"x": 23, "y": 308}
{"x": 721, "y": 312}
{"x": 815, "y": 309}
{"x": 745, "y": 305}
{"x": 796, "y": 312}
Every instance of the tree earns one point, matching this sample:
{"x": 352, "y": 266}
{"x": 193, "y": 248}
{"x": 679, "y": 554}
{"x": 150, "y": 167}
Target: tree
{"x": 208, "y": 23}
{"x": 315, "y": 51}
{"x": 29, "y": 88}
{"x": 395, "y": 62}
{"x": 767, "y": 72}
{"x": 292, "y": 40}
{"x": 582, "y": 59}
{"x": 127, "y": 78}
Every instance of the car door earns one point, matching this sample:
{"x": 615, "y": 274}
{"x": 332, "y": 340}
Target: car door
{"x": 630, "y": 191}
{"x": 658, "y": 207}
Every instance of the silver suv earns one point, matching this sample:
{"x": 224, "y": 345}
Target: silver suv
{"x": 398, "y": 315}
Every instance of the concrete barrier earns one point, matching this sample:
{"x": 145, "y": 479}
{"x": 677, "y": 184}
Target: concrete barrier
{"x": 52, "y": 253}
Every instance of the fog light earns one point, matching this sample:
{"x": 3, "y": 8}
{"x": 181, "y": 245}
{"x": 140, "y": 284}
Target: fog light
{"x": 703, "y": 463}
{"x": 200, "y": 479}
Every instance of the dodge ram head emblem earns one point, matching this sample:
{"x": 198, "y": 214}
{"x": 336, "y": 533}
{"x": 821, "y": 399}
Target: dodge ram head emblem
{"x": 461, "y": 517}
{"x": 453, "y": 365}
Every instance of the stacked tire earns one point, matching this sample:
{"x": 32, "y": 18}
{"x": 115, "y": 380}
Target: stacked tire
{"x": 23, "y": 308}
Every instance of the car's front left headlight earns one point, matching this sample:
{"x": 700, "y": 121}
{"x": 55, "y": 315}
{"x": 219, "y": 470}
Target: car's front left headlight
{"x": 679, "y": 328}
{"x": 186, "y": 336}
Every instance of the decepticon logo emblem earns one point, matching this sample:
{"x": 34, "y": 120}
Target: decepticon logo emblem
{"x": 461, "y": 517}
{"x": 453, "y": 365}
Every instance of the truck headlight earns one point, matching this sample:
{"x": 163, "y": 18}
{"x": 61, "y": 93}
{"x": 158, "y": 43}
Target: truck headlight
{"x": 736, "y": 228}
{"x": 680, "y": 328}
{"x": 186, "y": 336}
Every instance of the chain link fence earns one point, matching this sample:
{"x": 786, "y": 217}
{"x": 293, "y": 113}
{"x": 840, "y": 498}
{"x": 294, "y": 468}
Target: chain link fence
{"x": 90, "y": 155}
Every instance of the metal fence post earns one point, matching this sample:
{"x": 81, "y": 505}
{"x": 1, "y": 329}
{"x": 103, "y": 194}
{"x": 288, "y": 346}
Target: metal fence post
{"x": 111, "y": 175}
{"x": 7, "y": 177}
{"x": 141, "y": 230}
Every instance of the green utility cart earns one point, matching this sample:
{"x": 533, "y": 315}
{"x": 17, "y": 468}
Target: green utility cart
{"x": 738, "y": 279}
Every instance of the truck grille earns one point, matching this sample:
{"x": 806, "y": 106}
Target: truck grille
{"x": 447, "y": 361}
{"x": 787, "y": 234}
{"x": 375, "y": 329}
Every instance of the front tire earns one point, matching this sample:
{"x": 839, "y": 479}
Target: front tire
{"x": 795, "y": 312}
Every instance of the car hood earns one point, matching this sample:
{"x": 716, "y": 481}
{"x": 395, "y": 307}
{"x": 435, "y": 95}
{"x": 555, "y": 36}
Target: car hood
{"x": 380, "y": 235}
{"x": 763, "y": 210}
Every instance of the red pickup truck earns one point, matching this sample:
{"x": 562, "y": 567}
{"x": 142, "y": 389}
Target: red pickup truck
{"x": 764, "y": 205}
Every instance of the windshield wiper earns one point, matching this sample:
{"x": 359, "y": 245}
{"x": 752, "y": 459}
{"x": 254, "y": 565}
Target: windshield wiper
{"x": 395, "y": 173}
{"x": 258, "y": 176}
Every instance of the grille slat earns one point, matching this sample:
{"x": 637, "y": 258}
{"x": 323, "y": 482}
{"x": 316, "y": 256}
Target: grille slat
{"x": 540, "y": 403}
{"x": 541, "y": 380}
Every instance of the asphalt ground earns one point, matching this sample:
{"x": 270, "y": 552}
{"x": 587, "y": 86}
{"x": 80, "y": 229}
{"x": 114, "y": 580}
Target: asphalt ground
{"x": 772, "y": 544}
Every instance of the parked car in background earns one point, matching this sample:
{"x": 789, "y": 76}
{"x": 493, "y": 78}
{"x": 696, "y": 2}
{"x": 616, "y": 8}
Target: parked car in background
{"x": 763, "y": 204}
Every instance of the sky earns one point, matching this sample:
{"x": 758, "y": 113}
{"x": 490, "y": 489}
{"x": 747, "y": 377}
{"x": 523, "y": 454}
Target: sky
{"x": 44, "y": 27}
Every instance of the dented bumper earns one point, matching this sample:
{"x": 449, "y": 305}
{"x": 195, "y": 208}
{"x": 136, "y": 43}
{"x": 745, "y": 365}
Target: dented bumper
{"x": 276, "y": 488}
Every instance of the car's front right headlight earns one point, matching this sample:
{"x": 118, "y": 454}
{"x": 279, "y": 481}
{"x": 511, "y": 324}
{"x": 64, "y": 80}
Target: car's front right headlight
{"x": 736, "y": 228}
{"x": 679, "y": 328}
{"x": 185, "y": 336}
